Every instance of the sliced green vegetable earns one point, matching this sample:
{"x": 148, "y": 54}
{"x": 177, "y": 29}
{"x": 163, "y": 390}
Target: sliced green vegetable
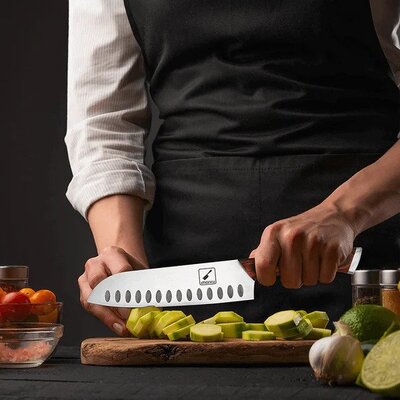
{"x": 206, "y": 333}
{"x": 152, "y": 326}
{"x": 227, "y": 316}
{"x": 283, "y": 321}
{"x": 141, "y": 327}
{"x": 318, "y": 319}
{"x": 181, "y": 323}
{"x": 254, "y": 326}
{"x": 318, "y": 333}
{"x": 137, "y": 313}
{"x": 208, "y": 321}
{"x": 180, "y": 333}
{"x": 303, "y": 328}
{"x": 169, "y": 318}
{"x": 257, "y": 335}
{"x": 232, "y": 329}
{"x": 302, "y": 312}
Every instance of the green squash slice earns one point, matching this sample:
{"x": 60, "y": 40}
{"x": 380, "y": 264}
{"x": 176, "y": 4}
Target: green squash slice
{"x": 181, "y": 323}
{"x": 318, "y": 319}
{"x": 167, "y": 319}
{"x": 257, "y": 335}
{"x": 232, "y": 329}
{"x": 206, "y": 333}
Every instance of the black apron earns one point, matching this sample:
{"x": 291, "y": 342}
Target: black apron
{"x": 267, "y": 107}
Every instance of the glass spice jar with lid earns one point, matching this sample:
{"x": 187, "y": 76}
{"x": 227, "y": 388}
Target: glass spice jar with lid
{"x": 13, "y": 277}
{"x": 390, "y": 293}
{"x": 365, "y": 287}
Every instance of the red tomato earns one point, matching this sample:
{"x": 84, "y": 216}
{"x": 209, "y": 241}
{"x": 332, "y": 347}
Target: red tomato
{"x": 43, "y": 296}
{"x": 15, "y": 306}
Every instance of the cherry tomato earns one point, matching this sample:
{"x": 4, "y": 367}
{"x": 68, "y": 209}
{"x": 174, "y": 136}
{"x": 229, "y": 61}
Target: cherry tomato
{"x": 43, "y": 296}
{"x": 27, "y": 291}
{"x": 15, "y": 306}
{"x": 2, "y": 293}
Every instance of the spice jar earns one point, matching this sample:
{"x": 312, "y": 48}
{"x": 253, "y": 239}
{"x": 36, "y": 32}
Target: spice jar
{"x": 365, "y": 287}
{"x": 13, "y": 277}
{"x": 389, "y": 279}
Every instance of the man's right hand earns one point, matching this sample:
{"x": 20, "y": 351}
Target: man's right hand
{"x": 110, "y": 261}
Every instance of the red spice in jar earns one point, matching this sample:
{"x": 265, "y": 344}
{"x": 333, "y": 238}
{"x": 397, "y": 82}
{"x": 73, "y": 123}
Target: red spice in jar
{"x": 391, "y": 300}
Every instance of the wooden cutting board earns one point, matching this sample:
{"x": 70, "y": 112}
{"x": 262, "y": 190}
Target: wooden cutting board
{"x": 131, "y": 351}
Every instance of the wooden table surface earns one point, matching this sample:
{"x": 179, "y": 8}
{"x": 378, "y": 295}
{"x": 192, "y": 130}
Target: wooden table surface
{"x": 64, "y": 377}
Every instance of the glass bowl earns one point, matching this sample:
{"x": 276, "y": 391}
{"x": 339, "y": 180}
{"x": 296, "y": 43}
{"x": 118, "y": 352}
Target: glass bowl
{"x": 39, "y": 312}
{"x": 28, "y": 344}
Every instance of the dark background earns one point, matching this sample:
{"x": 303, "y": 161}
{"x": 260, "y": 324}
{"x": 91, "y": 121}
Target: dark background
{"x": 38, "y": 226}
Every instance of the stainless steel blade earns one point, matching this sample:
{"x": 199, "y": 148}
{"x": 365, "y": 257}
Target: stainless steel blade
{"x": 184, "y": 285}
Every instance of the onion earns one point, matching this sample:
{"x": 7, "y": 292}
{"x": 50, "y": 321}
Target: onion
{"x": 337, "y": 359}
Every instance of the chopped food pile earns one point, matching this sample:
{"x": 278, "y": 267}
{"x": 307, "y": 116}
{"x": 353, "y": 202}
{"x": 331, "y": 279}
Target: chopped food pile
{"x": 150, "y": 322}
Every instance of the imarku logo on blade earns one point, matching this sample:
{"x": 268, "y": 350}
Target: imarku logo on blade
{"x": 207, "y": 276}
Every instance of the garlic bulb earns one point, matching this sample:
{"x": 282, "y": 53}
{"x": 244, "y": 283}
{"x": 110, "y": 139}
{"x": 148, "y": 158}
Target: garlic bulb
{"x": 336, "y": 359}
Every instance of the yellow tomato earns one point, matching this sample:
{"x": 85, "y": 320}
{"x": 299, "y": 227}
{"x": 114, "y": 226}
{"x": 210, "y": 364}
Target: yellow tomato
{"x": 27, "y": 291}
{"x": 52, "y": 317}
{"x": 40, "y": 302}
{"x": 2, "y": 293}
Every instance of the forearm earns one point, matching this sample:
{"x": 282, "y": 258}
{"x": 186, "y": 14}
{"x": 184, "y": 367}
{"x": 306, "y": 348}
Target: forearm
{"x": 118, "y": 221}
{"x": 372, "y": 195}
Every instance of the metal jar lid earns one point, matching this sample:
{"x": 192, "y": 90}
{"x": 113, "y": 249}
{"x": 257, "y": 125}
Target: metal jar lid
{"x": 389, "y": 277}
{"x": 13, "y": 272}
{"x": 366, "y": 277}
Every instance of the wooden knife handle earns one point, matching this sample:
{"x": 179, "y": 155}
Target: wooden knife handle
{"x": 249, "y": 264}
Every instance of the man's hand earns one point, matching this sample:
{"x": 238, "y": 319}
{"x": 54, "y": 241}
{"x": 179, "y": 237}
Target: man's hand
{"x": 109, "y": 261}
{"x": 306, "y": 248}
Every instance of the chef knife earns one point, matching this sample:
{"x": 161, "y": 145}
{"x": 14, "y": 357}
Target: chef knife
{"x": 184, "y": 285}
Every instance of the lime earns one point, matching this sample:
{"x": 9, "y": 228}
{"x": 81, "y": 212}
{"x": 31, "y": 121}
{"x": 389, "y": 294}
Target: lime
{"x": 380, "y": 372}
{"x": 368, "y": 321}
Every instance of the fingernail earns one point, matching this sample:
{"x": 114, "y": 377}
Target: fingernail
{"x": 118, "y": 328}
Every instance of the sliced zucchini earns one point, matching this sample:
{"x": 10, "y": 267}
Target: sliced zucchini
{"x": 137, "y": 313}
{"x": 206, "y": 333}
{"x": 208, "y": 321}
{"x": 167, "y": 319}
{"x": 300, "y": 331}
{"x": 283, "y": 321}
{"x": 232, "y": 329}
{"x": 302, "y": 312}
{"x": 227, "y": 316}
{"x": 257, "y": 335}
{"x": 255, "y": 326}
{"x": 318, "y": 319}
{"x": 181, "y": 323}
{"x": 152, "y": 326}
{"x": 141, "y": 327}
{"x": 318, "y": 333}
{"x": 180, "y": 333}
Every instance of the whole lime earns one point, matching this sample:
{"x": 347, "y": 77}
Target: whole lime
{"x": 368, "y": 321}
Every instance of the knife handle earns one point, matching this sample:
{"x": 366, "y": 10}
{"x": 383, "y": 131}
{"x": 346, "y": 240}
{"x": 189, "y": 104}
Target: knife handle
{"x": 347, "y": 267}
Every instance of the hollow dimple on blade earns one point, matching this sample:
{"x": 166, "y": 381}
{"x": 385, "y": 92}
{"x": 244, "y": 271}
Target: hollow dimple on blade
{"x": 184, "y": 296}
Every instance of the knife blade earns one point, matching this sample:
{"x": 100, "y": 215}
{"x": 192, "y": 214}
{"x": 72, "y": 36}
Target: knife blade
{"x": 183, "y": 285}
{"x": 192, "y": 284}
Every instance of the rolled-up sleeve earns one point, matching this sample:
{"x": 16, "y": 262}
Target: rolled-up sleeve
{"x": 386, "y": 17}
{"x": 107, "y": 114}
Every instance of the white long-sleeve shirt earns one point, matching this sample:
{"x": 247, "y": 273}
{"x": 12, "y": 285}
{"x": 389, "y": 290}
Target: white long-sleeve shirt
{"x": 108, "y": 113}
